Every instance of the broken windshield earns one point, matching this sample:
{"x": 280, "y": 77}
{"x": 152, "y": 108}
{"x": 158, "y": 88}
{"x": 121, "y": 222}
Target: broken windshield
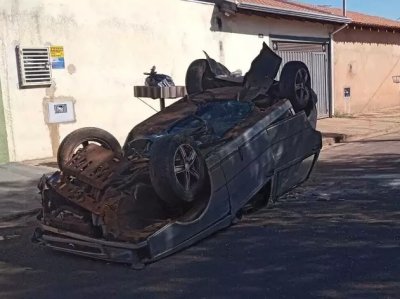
{"x": 219, "y": 117}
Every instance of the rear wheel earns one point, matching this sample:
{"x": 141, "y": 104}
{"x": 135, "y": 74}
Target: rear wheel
{"x": 295, "y": 84}
{"x": 199, "y": 77}
{"x": 312, "y": 115}
{"x": 81, "y": 138}
{"x": 177, "y": 169}
{"x": 194, "y": 76}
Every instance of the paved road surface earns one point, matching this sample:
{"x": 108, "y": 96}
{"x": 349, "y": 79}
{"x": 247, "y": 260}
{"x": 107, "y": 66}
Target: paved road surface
{"x": 18, "y": 191}
{"x": 336, "y": 237}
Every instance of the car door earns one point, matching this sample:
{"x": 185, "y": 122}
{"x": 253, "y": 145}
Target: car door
{"x": 295, "y": 148}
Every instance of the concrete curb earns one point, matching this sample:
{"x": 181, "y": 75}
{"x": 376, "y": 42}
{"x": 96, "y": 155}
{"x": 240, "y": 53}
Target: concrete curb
{"x": 338, "y": 138}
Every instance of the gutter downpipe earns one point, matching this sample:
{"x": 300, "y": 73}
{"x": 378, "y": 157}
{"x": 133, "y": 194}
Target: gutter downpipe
{"x": 344, "y": 8}
{"x": 332, "y": 113}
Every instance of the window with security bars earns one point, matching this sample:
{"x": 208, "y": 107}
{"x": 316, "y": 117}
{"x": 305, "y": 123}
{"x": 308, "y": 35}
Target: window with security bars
{"x": 34, "y": 67}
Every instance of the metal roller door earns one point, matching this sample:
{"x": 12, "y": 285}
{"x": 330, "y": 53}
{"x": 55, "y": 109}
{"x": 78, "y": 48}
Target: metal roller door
{"x": 315, "y": 56}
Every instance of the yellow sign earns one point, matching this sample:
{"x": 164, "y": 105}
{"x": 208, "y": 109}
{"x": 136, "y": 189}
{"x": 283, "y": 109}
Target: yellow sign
{"x": 56, "y": 51}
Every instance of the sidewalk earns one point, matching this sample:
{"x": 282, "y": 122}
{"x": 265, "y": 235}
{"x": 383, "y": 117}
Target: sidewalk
{"x": 19, "y": 195}
{"x": 346, "y": 129}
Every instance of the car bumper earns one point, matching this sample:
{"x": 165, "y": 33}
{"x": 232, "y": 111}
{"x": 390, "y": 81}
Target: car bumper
{"x": 64, "y": 241}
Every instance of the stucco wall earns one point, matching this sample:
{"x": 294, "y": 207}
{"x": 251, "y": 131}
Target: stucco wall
{"x": 107, "y": 48}
{"x": 3, "y": 135}
{"x": 365, "y": 61}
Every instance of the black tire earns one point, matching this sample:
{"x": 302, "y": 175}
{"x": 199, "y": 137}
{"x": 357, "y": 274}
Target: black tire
{"x": 199, "y": 77}
{"x": 169, "y": 173}
{"x": 81, "y": 138}
{"x": 194, "y": 76}
{"x": 311, "y": 110}
{"x": 295, "y": 84}
{"x": 312, "y": 116}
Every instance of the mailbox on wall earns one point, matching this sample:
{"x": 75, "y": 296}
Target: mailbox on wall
{"x": 347, "y": 93}
{"x": 61, "y": 112}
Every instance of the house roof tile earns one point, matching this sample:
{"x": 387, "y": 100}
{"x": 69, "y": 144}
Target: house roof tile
{"x": 290, "y": 5}
{"x": 356, "y": 17}
{"x": 366, "y": 20}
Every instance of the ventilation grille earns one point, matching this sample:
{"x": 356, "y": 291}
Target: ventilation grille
{"x": 34, "y": 67}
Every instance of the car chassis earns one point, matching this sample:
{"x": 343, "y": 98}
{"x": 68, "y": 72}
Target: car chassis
{"x": 104, "y": 205}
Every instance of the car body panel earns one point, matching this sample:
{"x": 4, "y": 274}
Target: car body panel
{"x": 262, "y": 160}
{"x": 176, "y": 233}
{"x": 265, "y": 146}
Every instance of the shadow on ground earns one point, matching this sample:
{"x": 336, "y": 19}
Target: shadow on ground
{"x": 18, "y": 197}
{"x": 335, "y": 237}
{"x": 52, "y": 164}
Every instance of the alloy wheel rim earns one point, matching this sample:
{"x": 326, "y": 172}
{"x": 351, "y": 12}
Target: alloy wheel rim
{"x": 302, "y": 90}
{"x": 186, "y": 166}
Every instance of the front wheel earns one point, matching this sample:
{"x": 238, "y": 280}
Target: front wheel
{"x": 81, "y": 138}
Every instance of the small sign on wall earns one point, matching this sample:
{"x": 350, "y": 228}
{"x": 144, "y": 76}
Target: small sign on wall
{"x": 57, "y": 57}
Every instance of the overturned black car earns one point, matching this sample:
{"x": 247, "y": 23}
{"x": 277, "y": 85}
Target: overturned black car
{"x": 231, "y": 145}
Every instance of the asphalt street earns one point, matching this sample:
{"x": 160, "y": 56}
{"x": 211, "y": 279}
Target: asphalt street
{"x": 18, "y": 190}
{"x": 335, "y": 237}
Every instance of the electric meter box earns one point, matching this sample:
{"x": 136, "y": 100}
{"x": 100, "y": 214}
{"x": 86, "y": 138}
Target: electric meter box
{"x": 61, "y": 112}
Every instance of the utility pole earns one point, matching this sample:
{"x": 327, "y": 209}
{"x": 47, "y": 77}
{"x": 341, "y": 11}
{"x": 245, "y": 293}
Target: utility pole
{"x": 344, "y": 8}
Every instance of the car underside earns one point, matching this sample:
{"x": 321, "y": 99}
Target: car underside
{"x": 233, "y": 144}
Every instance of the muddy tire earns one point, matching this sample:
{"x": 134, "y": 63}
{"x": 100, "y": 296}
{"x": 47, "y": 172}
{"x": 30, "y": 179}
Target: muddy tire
{"x": 295, "y": 84}
{"x": 81, "y": 138}
{"x": 177, "y": 170}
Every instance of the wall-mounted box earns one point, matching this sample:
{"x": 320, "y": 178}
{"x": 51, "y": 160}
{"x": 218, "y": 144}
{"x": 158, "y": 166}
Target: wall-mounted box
{"x": 347, "y": 93}
{"x": 61, "y": 112}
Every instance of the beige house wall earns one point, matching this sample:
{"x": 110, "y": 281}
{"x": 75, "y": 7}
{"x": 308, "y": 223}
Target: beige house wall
{"x": 365, "y": 61}
{"x": 108, "y": 45}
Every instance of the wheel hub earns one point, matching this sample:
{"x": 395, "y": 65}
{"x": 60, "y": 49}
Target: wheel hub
{"x": 186, "y": 165}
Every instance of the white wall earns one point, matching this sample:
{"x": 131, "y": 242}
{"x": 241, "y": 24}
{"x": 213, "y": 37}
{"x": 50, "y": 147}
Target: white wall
{"x": 108, "y": 45}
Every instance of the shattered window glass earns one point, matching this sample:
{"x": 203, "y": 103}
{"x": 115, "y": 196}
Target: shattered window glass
{"x": 218, "y": 116}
